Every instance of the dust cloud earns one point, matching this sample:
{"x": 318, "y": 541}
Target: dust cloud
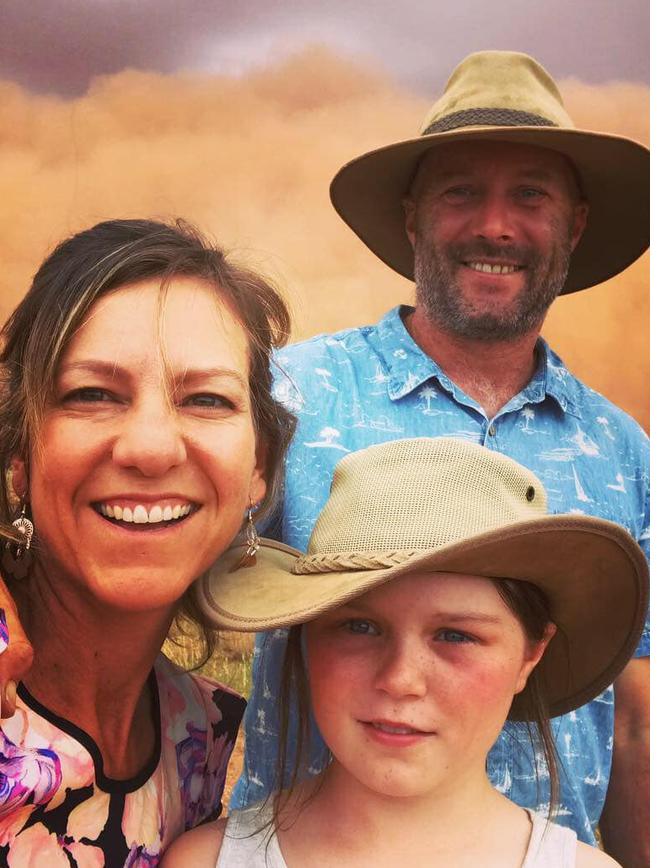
{"x": 250, "y": 160}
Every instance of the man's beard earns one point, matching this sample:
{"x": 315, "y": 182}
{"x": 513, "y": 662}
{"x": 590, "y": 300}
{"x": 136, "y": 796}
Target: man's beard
{"x": 439, "y": 295}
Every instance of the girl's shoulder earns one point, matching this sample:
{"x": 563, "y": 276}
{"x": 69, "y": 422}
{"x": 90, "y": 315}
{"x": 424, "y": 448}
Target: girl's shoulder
{"x": 246, "y": 838}
{"x": 590, "y": 857}
{"x": 554, "y": 845}
{"x": 198, "y": 847}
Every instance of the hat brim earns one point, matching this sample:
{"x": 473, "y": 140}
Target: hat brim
{"x": 615, "y": 177}
{"x": 591, "y": 570}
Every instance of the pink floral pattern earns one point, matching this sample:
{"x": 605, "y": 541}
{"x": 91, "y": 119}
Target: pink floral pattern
{"x": 58, "y": 809}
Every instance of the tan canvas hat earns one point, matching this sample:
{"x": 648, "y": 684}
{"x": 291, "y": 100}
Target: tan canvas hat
{"x": 448, "y": 505}
{"x": 507, "y": 96}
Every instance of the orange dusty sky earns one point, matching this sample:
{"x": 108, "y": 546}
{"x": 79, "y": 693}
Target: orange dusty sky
{"x": 249, "y": 159}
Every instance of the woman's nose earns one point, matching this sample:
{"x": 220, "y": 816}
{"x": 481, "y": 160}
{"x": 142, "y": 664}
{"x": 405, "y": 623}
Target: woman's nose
{"x": 150, "y": 439}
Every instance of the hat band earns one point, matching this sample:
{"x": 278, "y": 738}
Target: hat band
{"x": 487, "y": 117}
{"x": 351, "y": 561}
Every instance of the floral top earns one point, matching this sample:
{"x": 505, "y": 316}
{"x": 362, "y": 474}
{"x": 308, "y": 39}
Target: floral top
{"x": 58, "y": 808}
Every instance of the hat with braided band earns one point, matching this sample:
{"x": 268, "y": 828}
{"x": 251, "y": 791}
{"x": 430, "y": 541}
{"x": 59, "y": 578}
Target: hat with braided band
{"x": 448, "y": 505}
{"x": 506, "y": 96}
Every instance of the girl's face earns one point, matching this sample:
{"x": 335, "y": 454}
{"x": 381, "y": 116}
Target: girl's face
{"x": 411, "y": 683}
{"x": 146, "y": 460}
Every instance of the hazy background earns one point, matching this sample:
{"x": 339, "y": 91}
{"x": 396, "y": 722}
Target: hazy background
{"x": 236, "y": 116}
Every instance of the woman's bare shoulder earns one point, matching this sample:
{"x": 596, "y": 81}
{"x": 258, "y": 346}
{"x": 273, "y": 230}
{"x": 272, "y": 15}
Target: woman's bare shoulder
{"x": 199, "y": 847}
{"x": 590, "y": 857}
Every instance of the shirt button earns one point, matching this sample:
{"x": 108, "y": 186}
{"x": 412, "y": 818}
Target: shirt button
{"x": 492, "y": 430}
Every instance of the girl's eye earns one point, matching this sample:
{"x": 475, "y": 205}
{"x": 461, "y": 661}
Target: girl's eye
{"x": 360, "y": 627}
{"x": 87, "y": 395}
{"x": 454, "y": 636}
{"x": 208, "y": 401}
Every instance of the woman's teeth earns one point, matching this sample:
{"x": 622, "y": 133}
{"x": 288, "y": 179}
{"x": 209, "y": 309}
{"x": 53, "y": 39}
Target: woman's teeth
{"x": 140, "y": 515}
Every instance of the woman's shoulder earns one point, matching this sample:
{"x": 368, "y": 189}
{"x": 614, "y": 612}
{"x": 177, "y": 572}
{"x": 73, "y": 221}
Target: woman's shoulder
{"x": 590, "y": 857}
{"x": 198, "y": 847}
{"x": 187, "y": 691}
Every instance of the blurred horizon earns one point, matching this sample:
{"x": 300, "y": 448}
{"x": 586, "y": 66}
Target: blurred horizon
{"x": 249, "y": 158}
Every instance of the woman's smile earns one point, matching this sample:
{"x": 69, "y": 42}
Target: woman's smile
{"x": 153, "y": 391}
{"x": 134, "y": 513}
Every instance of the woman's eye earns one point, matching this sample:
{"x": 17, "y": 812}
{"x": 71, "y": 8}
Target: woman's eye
{"x": 454, "y": 636}
{"x": 208, "y": 401}
{"x": 360, "y": 627}
{"x": 87, "y": 395}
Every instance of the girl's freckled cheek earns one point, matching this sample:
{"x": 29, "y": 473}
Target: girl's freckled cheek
{"x": 479, "y": 684}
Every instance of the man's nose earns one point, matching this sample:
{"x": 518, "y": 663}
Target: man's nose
{"x": 150, "y": 439}
{"x": 493, "y": 218}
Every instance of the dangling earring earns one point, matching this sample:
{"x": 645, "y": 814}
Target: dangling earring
{"x": 16, "y": 559}
{"x": 249, "y": 559}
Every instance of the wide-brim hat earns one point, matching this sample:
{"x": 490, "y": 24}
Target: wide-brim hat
{"x": 506, "y": 96}
{"x": 448, "y": 505}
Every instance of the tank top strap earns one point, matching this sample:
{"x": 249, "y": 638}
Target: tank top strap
{"x": 551, "y": 846}
{"x": 248, "y": 841}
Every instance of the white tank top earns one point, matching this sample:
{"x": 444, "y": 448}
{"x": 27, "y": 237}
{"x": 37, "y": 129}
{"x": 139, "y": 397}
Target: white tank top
{"x": 244, "y": 846}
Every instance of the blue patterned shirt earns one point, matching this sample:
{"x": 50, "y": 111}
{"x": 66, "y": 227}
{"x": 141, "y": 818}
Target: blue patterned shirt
{"x": 366, "y": 385}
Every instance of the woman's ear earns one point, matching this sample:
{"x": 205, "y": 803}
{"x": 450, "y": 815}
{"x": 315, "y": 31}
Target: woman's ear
{"x": 19, "y": 481}
{"x": 257, "y": 488}
{"x": 534, "y": 653}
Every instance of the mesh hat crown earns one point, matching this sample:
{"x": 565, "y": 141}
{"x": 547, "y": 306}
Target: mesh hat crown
{"x": 506, "y": 96}
{"x": 447, "y": 505}
{"x": 404, "y": 497}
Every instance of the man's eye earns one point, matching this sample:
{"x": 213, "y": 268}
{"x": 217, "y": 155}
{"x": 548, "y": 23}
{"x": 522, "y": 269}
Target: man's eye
{"x": 454, "y": 636}
{"x": 458, "y": 194}
{"x": 360, "y": 627}
{"x": 531, "y": 193}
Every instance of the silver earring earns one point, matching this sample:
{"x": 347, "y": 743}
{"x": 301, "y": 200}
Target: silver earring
{"x": 252, "y": 539}
{"x": 16, "y": 559}
{"x": 249, "y": 558}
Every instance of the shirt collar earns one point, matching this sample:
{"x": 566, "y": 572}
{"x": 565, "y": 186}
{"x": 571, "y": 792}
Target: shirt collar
{"x": 409, "y": 368}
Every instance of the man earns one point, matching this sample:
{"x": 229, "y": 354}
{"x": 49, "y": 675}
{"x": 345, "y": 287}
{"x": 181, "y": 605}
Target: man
{"x": 499, "y": 206}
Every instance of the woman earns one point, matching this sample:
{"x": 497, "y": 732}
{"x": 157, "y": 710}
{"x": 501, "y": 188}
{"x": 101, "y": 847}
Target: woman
{"x": 138, "y": 431}
{"x": 436, "y": 599}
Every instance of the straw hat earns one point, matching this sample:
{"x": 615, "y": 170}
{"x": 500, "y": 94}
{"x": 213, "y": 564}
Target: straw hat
{"x": 509, "y": 97}
{"x": 448, "y": 505}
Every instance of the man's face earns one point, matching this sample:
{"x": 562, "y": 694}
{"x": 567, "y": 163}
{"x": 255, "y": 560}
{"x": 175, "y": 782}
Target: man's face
{"x": 492, "y": 225}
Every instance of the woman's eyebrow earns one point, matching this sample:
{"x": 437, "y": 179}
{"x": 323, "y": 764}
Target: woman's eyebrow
{"x": 113, "y": 370}
{"x": 189, "y": 376}
{"x": 95, "y": 366}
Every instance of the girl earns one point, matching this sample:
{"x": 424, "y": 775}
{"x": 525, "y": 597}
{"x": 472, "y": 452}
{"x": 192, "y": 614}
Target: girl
{"x": 437, "y": 598}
